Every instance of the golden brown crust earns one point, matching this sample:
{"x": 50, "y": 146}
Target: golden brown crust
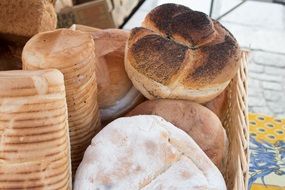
{"x": 113, "y": 82}
{"x": 35, "y": 146}
{"x": 197, "y": 121}
{"x": 116, "y": 94}
{"x": 73, "y": 53}
{"x": 179, "y": 47}
{"x": 21, "y": 19}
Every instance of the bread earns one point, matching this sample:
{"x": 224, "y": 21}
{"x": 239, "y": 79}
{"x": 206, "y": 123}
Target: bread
{"x": 21, "y": 19}
{"x": 181, "y": 54}
{"x": 116, "y": 94}
{"x": 145, "y": 152}
{"x": 35, "y": 148}
{"x": 72, "y": 52}
{"x": 218, "y": 105}
{"x": 197, "y": 121}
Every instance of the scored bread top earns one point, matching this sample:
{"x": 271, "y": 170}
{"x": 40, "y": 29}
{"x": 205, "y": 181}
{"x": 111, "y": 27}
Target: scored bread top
{"x": 143, "y": 152}
{"x": 179, "y": 45}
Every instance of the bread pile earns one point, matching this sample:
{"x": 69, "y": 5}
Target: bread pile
{"x": 35, "y": 148}
{"x": 180, "y": 59}
{"x": 71, "y": 52}
{"x": 19, "y": 21}
{"x": 116, "y": 93}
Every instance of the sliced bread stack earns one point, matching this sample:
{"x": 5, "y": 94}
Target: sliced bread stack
{"x": 34, "y": 140}
{"x": 72, "y": 52}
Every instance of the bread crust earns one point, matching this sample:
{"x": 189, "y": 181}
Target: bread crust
{"x": 181, "y": 48}
{"x": 21, "y": 19}
{"x": 197, "y": 121}
{"x": 35, "y": 145}
{"x": 116, "y": 94}
{"x": 73, "y": 53}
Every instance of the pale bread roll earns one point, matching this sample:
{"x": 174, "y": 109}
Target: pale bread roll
{"x": 145, "y": 152}
{"x": 181, "y": 54}
{"x": 72, "y": 52}
{"x": 35, "y": 147}
{"x": 116, "y": 94}
{"x": 197, "y": 121}
{"x": 21, "y": 19}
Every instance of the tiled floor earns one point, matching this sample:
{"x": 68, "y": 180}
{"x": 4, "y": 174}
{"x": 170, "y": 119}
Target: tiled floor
{"x": 258, "y": 26}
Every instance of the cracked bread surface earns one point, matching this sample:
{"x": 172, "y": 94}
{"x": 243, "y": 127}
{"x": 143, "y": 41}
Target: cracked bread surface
{"x": 145, "y": 152}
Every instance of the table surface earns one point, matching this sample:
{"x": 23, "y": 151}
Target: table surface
{"x": 267, "y": 153}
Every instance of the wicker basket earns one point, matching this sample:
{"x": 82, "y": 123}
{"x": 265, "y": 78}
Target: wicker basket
{"x": 236, "y": 124}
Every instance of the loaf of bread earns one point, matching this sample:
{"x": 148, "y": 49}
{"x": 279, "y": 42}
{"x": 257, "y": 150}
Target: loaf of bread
{"x": 72, "y": 52}
{"x": 21, "y": 19}
{"x": 35, "y": 148}
{"x": 116, "y": 93}
{"x": 181, "y": 54}
{"x": 197, "y": 121}
{"x": 145, "y": 152}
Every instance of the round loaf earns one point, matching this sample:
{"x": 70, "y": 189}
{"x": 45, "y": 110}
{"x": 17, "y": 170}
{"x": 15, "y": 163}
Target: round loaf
{"x": 116, "y": 94}
{"x": 181, "y": 54}
{"x": 197, "y": 121}
{"x": 145, "y": 152}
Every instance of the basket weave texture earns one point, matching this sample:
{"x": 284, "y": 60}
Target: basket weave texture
{"x": 235, "y": 122}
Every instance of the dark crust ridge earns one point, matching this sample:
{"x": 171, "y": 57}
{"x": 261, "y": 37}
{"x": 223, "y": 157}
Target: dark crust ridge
{"x": 136, "y": 31}
{"x": 158, "y": 58}
{"x": 218, "y": 58}
{"x": 163, "y": 14}
{"x": 193, "y": 26}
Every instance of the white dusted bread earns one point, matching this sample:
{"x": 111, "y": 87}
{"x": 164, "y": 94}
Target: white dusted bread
{"x": 34, "y": 140}
{"x": 145, "y": 152}
{"x": 181, "y": 54}
{"x": 72, "y": 52}
{"x": 200, "y": 123}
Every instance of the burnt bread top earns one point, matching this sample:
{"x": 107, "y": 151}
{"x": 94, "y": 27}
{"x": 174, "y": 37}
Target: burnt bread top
{"x": 177, "y": 44}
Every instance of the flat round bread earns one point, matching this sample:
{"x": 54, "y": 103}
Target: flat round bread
{"x": 145, "y": 152}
